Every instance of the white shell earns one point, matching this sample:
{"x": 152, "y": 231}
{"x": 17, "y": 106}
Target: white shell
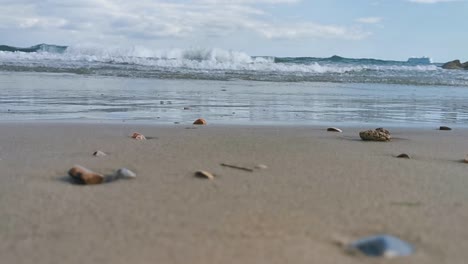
{"x": 125, "y": 173}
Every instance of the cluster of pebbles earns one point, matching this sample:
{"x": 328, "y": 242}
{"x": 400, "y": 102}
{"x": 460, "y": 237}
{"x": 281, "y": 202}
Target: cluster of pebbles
{"x": 386, "y": 246}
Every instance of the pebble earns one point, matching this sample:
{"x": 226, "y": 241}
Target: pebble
{"x": 403, "y": 155}
{"x": 261, "y": 166}
{"x": 444, "y": 128}
{"x": 125, "y": 173}
{"x": 84, "y": 175}
{"x": 374, "y": 135}
{"x": 186, "y": 108}
{"x": 386, "y": 246}
{"x": 204, "y": 174}
{"x": 200, "y": 121}
{"x": 334, "y": 129}
{"x": 138, "y": 136}
{"x": 99, "y": 154}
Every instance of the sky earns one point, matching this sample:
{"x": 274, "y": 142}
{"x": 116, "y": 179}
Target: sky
{"x": 383, "y": 29}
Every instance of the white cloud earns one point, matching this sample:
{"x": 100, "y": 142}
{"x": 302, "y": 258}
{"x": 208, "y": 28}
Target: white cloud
{"x": 431, "y": 1}
{"x": 369, "y": 20}
{"x": 156, "y": 19}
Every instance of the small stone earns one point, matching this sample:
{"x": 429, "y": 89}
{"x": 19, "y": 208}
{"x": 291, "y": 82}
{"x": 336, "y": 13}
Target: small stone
{"x": 404, "y": 156}
{"x": 138, "y": 136}
{"x": 200, "y": 121}
{"x": 334, "y": 129}
{"x": 374, "y": 135}
{"x": 99, "y": 154}
{"x": 382, "y": 246}
{"x": 125, "y": 173}
{"x": 444, "y": 128}
{"x": 186, "y": 108}
{"x": 84, "y": 175}
{"x": 205, "y": 175}
{"x": 261, "y": 166}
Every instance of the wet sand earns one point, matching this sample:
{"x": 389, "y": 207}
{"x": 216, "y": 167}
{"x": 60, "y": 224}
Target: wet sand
{"x": 319, "y": 188}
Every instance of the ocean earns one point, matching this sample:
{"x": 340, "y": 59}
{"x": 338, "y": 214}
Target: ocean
{"x": 89, "y": 83}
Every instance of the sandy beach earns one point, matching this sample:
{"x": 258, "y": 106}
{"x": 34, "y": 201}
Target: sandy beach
{"x": 320, "y": 188}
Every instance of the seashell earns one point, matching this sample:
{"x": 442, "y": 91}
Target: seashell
{"x": 205, "y": 175}
{"x": 334, "y": 129}
{"x": 382, "y": 246}
{"x": 99, "y": 154}
{"x": 125, "y": 173}
{"x": 444, "y": 128}
{"x": 403, "y": 155}
{"x": 200, "y": 121}
{"x": 261, "y": 166}
{"x": 84, "y": 175}
{"x": 138, "y": 136}
{"x": 374, "y": 135}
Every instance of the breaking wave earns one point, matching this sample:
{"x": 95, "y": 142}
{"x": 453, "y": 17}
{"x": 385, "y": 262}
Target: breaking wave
{"x": 219, "y": 64}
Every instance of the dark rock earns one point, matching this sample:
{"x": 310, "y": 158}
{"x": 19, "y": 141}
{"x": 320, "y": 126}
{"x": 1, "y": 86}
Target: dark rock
{"x": 451, "y": 65}
{"x": 382, "y": 246}
{"x": 445, "y": 128}
{"x": 404, "y": 156}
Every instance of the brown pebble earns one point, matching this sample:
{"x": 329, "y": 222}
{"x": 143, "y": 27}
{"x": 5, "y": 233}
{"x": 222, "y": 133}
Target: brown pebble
{"x": 84, "y": 175}
{"x": 200, "y": 121}
{"x": 444, "y": 128}
{"x": 334, "y": 129}
{"x": 99, "y": 154}
{"x": 138, "y": 136}
{"x": 205, "y": 175}
{"x": 403, "y": 155}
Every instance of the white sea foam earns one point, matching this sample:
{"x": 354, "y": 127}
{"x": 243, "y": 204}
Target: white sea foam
{"x": 194, "y": 58}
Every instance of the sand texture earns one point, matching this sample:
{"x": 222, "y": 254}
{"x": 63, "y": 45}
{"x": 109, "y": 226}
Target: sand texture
{"x": 320, "y": 189}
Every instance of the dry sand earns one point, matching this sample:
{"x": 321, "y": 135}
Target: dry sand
{"x": 320, "y": 187}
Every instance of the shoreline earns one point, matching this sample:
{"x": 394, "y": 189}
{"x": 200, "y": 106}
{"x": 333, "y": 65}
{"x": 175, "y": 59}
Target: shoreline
{"x": 319, "y": 187}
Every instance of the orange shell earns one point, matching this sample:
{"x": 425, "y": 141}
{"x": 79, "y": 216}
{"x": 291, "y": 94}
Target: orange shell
{"x": 200, "y": 121}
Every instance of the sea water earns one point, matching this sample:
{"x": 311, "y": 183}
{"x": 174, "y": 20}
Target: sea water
{"x": 225, "y": 87}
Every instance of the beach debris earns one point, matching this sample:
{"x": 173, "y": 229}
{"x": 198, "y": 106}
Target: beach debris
{"x": 334, "y": 129}
{"x": 237, "y": 167}
{"x": 138, "y": 136}
{"x": 404, "y": 156}
{"x": 84, "y": 175}
{"x": 261, "y": 166}
{"x": 386, "y": 246}
{"x": 204, "y": 174}
{"x": 445, "y": 128}
{"x": 124, "y": 173}
{"x": 200, "y": 121}
{"x": 378, "y": 134}
{"x": 99, "y": 153}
